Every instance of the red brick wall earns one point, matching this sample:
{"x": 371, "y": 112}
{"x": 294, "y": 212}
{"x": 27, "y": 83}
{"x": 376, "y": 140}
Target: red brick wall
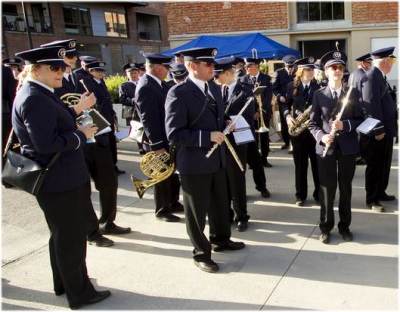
{"x": 374, "y": 12}
{"x": 191, "y": 17}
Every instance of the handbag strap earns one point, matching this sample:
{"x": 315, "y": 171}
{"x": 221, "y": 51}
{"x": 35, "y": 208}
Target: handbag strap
{"x": 10, "y": 142}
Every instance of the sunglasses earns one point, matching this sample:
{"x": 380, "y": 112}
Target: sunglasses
{"x": 335, "y": 67}
{"x": 56, "y": 68}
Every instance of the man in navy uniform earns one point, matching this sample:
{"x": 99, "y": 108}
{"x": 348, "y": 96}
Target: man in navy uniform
{"x": 98, "y": 156}
{"x": 255, "y": 78}
{"x": 151, "y": 92}
{"x": 380, "y": 105}
{"x": 178, "y": 72}
{"x": 82, "y": 72}
{"x": 338, "y": 166}
{"x": 194, "y": 122}
{"x": 15, "y": 64}
{"x": 279, "y": 85}
{"x": 127, "y": 93}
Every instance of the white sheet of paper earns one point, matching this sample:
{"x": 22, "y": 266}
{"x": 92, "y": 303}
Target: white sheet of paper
{"x": 367, "y": 125}
{"x": 241, "y": 123}
{"x": 243, "y": 136}
{"x": 124, "y": 133}
{"x": 105, "y": 130}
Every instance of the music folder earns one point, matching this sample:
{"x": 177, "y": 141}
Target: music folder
{"x": 242, "y": 133}
{"x": 98, "y": 120}
{"x": 367, "y": 125}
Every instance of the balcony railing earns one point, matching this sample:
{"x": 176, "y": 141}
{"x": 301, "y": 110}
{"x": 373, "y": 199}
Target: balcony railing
{"x": 17, "y": 23}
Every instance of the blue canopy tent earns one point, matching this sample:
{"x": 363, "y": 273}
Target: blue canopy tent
{"x": 240, "y": 46}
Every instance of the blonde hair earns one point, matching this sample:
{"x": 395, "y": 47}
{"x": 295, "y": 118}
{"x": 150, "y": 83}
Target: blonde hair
{"x": 27, "y": 72}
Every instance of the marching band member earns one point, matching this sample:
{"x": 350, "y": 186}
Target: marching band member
{"x": 194, "y": 122}
{"x": 280, "y": 81}
{"x": 338, "y": 166}
{"x": 151, "y": 92}
{"x": 255, "y": 77}
{"x": 380, "y": 105}
{"x": 15, "y": 64}
{"x": 235, "y": 95}
{"x": 82, "y": 72}
{"x": 99, "y": 157}
{"x": 45, "y": 126}
{"x": 299, "y": 97}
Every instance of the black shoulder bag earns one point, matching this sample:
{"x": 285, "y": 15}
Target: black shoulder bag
{"x": 22, "y": 172}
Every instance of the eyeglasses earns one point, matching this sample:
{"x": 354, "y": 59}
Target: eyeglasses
{"x": 335, "y": 67}
{"x": 56, "y": 68}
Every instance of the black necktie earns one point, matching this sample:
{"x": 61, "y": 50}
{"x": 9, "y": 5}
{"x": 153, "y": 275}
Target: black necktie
{"x": 164, "y": 86}
{"x": 226, "y": 93}
{"x": 206, "y": 89}
{"x": 254, "y": 79}
{"x": 306, "y": 89}
{"x": 335, "y": 97}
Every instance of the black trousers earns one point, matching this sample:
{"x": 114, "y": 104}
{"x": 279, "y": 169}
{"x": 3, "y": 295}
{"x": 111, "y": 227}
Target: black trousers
{"x": 113, "y": 145}
{"x": 206, "y": 194}
{"x": 378, "y": 155}
{"x": 255, "y": 162}
{"x": 304, "y": 149}
{"x": 101, "y": 168}
{"x": 237, "y": 182}
{"x": 67, "y": 217}
{"x": 284, "y": 126}
{"x": 333, "y": 170}
{"x": 166, "y": 194}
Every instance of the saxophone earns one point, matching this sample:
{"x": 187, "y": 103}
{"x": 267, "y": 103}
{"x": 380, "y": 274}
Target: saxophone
{"x": 300, "y": 123}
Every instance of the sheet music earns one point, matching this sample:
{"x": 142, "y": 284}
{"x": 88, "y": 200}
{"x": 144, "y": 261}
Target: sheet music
{"x": 242, "y": 133}
{"x": 367, "y": 125}
{"x": 105, "y": 130}
{"x": 120, "y": 135}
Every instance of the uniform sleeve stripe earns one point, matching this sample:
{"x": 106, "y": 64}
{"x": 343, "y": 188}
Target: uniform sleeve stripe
{"x": 156, "y": 143}
{"x": 200, "y": 138}
{"x": 349, "y": 125}
{"x": 79, "y": 141}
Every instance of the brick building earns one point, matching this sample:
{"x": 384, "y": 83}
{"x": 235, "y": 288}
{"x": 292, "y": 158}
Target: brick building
{"x": 115, "y": 32}
{"x": 310, "y": 27}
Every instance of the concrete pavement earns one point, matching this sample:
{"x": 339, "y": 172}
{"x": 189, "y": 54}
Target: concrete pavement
{"x": 284, "y": 266}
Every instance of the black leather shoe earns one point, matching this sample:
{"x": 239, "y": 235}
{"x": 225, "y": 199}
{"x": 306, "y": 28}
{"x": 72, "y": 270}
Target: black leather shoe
{"x": 325, "y": 238}
{"x": 347, "y": 236}
{"x": 299, "y": 202}
{"x": 177, "y": 207}
{"x": 59, "y": 292}
{"x": 242, "y": 226}
{"x": 99, "y": 296}
{"x": 376, "y": 207}
{"x": 386, "y": 197}
{"x": 167, "y": 217}
{"x": 208, "y": 266}
{"x": 119, "y": 171}
{"x": 229, "y": 245}
{"x": 101, "y": 241}
{"x": 267, "y": 164}
{"x": 265, "y": 193}
{"x": 142, "y": 152}
{"x": 114, "y": 229}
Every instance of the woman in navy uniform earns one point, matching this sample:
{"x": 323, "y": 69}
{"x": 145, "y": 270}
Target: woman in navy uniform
{"x": 379, "y": 104}
{"x": 99, "y": 157}
{"x": 194, "y": 121}
{"x": 44, "y": 127}
{"x": 235, "y": 95}
{"x": 150, "y": 98}
{"x": 299, "y": 97}
{"x": 338, "y": 166}
{"x": 255, "y": 77}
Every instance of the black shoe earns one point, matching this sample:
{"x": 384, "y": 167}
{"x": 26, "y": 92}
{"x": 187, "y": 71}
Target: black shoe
{"x": 242, "y": 226}
{"x": 208, "y": 266}
{"x": 347, "y": 235}
{"x": 376, "y": 206}
{"x": 100, "y": 241}
{"x": 299, "y": 202}
{"x": 325, "y": 238}
{"x": 59, "y": 292}
{"x": 229, "y": 245}
{"x": 167, "y": 217}
{"x": 142, "y": 152}
{"x": 267, "y": 164}
{"x": 284, "y": 146}
{"x": 99, "y": 296}
{"x": 360, "y": 162}
{"x": 290, "y": 152}
{"x": 177, "y": 207}
{"x": 265, "y": 193}
{"x": 386, "y": 197}
{"x": 118, "y": 171}
{"x": 7, "y": 185}
{"x": 114, "y": 229}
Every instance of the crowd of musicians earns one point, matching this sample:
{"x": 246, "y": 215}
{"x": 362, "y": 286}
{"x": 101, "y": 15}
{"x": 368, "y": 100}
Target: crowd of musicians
{"x": 187, "y": 105}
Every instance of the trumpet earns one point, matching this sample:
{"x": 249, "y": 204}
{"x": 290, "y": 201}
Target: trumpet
{"x": 157, "y": 167}
{"x": 262, "y": 127}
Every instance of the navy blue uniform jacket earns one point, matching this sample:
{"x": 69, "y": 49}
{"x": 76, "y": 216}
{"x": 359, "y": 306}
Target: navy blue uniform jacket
{"x": 280, "y": 81}
{"x": 45, "y": 126}
{"x": 189, "y": 120}
{"x": 67, "y": 87}
{"x": 150, "y": 99}
{"x": 262, "y": 80}
{"x": 378, "y": 102}
{"x": 300, "y": 102}
{"x": 324, "y": 111}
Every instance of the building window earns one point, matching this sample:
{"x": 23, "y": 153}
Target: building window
{"x": 148, "y": 26}
{"x": 115, "y": 24}
{"x": 37, "y": 14}
{"x": 319, "y": 11}
{"x": 77, "y": 20}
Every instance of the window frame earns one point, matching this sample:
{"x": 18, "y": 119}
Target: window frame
{"x": 333, "y": 19}
{"x": 80, "y": 25}
{"x": 117, "y": 30}
{"x": 159, "y": 39}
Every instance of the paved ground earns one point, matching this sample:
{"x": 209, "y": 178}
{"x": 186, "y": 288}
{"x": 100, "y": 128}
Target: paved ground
{"x": 284, "y": 266}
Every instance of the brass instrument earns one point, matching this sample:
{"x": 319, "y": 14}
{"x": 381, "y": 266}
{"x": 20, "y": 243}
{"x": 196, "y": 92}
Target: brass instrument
{"x": 157, "y": 167}
{"x": 262, "y": 128}
{"x": 71, "y": 99}
{"x": 300, "y": 123}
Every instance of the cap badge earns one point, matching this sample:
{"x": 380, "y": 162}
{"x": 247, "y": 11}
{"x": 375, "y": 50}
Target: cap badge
{"x": 61, "y": 53}
{"x": 337, "y": 55}
{"x": 214, "y": 52}
{"x": 72, "y": 44}
{"x": 311, "y": 60}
